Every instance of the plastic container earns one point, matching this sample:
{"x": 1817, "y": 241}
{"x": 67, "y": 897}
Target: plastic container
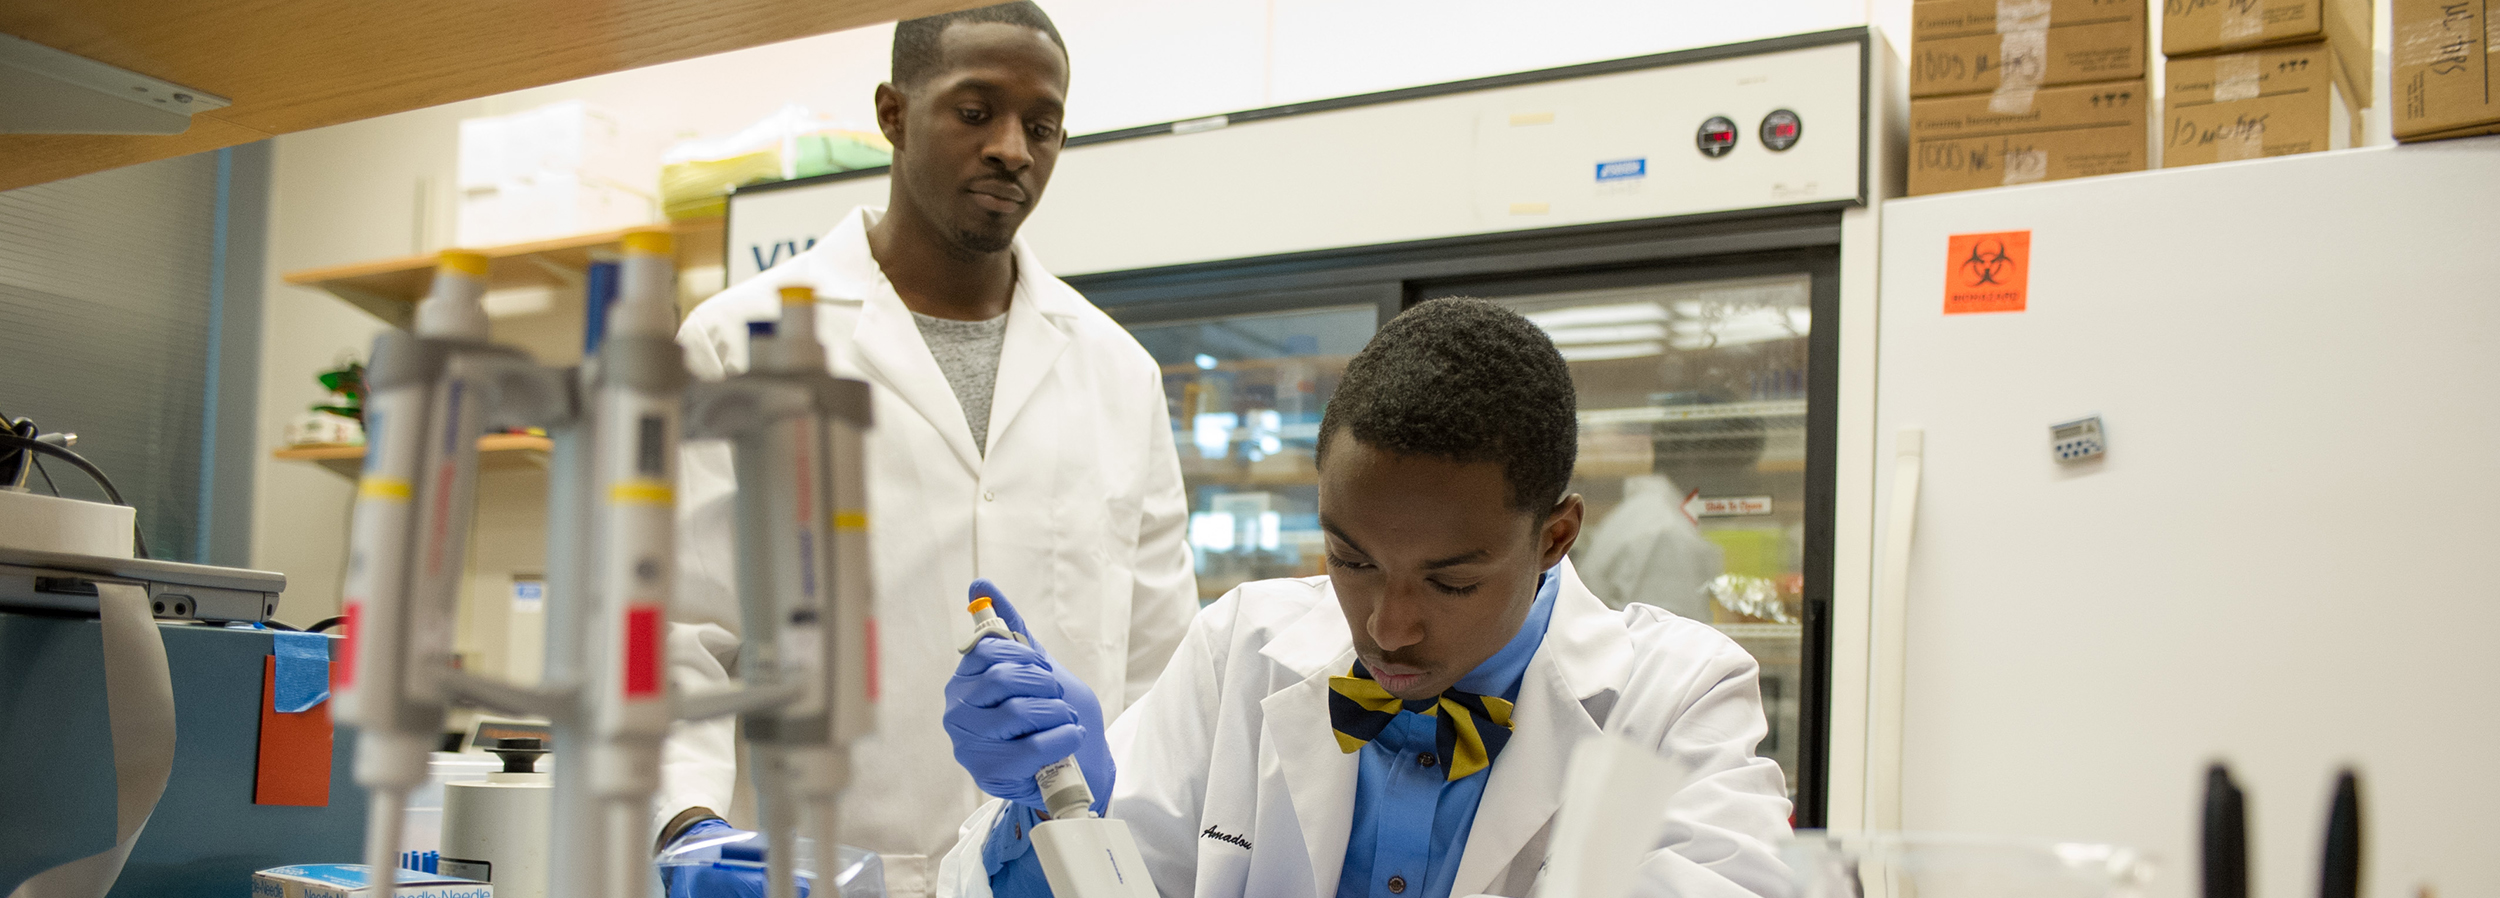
{"x": 1934, "y": 865}
{"x": 862, "y": 876}
{"x": 425, "y": 803}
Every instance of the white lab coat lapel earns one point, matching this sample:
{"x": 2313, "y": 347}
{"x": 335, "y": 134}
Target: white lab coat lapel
{"x": 1319, "y": 777}
{"x": 1586, "y": 652}
{"x": 1034, "y": 343}
{"x": 888, "y": 341}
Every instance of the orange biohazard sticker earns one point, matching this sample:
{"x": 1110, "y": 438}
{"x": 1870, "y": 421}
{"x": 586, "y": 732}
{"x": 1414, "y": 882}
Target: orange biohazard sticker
{"x": 1987, "y": 272}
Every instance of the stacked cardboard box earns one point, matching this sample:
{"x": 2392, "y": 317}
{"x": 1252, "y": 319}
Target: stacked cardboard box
{"x": 2444, "y": 53}
{"x": 2261, "y": 103}
{"x": 2250, "y": 78}
{"x": 2191, "y": 28}
{"x": 2014, "y": 91}
{"x": 554, "y": 171}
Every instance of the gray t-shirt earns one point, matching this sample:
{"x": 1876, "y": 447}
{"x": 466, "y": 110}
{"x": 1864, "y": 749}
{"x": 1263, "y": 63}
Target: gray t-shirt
{"x": 968, "y": 352}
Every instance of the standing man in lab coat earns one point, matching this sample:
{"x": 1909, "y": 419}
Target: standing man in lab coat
{"x": 1020, "y": 435}
{"x": 1398, "y": 728}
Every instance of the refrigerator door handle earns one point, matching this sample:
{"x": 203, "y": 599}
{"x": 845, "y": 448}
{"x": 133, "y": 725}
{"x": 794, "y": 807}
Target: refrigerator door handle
{"x": 1891, "y": 628}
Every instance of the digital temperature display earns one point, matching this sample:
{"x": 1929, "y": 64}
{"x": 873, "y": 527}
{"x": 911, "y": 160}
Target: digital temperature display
{"x": 1717, "y": 137}
{"x": 1780, "y": 130}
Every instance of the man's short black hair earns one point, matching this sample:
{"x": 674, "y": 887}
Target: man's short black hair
{"x": 1469, "y": 381}
{"x": 916, "y": 55}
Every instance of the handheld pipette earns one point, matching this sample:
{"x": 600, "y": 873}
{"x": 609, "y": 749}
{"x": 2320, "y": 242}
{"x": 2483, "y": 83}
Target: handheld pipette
{"x": 404, "y": 560}
{"x": 633, "y": 459}
{"x": 781, "y": 417}
{"x": 784, "y": 571}
{"x": 1082, "y": 855}
{"x": 1064, "y": 791}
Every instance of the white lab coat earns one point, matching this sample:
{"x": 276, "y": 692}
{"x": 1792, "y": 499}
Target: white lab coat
{"x": 1646, "y": 549}
{"x": 1236, "y": 740}
{"x": 1077, "y": 513}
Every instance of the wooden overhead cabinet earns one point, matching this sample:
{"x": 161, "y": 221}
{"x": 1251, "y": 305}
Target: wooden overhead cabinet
{"x": 291, "y": 65}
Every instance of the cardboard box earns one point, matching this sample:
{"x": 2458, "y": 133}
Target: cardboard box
{"x": 2444, "y": 52}
{"x": 1975, "y": 46}
{"x": 2273, "y": 102}
{"x": 348, "y": 881}
{"x": 546, "y": 207}
{"x": 2018, "y": 137}
{"x": 572, "y": 137}
{"x": 2203, "y": 27}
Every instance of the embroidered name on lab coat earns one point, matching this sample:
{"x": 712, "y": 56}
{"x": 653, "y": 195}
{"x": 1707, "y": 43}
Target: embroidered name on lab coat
{"x": 1225, "y": 837}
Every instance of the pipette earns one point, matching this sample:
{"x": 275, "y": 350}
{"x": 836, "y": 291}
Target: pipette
{"x": 780, "y": 417}
{"x": 635, "y": 407}
{"x": 410, "y": 526}
{"x": 852, "y": 661}
{"x": 1064, "y": 791}
{"x": 1082, "y": 855}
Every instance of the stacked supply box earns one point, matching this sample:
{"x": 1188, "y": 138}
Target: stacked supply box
{"x": 2273, "y": 102}
{"x": 555, "y": 171}
{"x": 2015, "y": 91}
{"x": 2053, "y": 133}
{"x": 2444, "y": 51}
{"x": 1976, "y": 46}
{"x": 2192, "y": 28}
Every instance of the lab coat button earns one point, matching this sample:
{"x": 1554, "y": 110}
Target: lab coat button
{"x": 1397, "y": 885}
{"x": 989, "y": 496}
{"x": 1427, "y": 759}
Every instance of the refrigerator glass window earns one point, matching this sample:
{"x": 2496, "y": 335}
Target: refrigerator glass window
{"x": 1693, "y": 460}
{"x": 1245, "y": 394}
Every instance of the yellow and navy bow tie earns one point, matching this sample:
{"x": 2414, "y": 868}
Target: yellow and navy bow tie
{"x": 1473, "y": 728}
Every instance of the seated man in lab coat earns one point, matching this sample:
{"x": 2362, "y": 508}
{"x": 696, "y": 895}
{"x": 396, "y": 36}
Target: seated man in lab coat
{"x": 1399, "y": 727}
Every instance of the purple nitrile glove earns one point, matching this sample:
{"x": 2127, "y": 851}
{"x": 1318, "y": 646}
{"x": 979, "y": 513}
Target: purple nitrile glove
{"x": 1012, "y": 712}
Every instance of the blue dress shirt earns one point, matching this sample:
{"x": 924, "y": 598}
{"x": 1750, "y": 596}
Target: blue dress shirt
{"x": 1410, "y": 824}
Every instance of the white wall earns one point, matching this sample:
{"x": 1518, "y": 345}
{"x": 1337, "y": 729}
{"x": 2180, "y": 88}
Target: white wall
{"x": 337, "y": 195}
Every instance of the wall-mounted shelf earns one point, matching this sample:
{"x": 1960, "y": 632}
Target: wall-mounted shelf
{"x": 495, "y": 450}
{"x": 390, "y": 288}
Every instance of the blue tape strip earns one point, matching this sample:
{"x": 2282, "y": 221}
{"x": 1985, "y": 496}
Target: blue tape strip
{"x": 303, "y": 675}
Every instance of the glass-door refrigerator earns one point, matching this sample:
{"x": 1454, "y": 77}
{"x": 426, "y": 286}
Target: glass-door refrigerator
{"x": 1704, "y": 387}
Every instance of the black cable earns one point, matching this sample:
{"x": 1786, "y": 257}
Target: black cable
{"x": 13, "y": 462}
{"x": 80, "y": 462}
{"x": 77, "y": 461}
{"x": 275, "y": 624}
{"x": 323, "y": 625}
{"x": 47, "y": 475}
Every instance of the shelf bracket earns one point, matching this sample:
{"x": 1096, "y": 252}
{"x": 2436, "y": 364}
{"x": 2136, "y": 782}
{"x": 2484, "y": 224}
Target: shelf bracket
{"x": 571, "y": 278}
{"x": 394, "y": 311}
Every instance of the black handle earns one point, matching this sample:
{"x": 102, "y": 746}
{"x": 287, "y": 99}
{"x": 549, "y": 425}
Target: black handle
{"x": 2341, "y": 875}
{"x": 2226, "y": 836}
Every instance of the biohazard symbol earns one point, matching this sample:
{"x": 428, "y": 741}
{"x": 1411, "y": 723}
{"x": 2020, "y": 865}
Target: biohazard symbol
{"x": 1986, "y": 272}
{"x": 1988, "y": 262}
